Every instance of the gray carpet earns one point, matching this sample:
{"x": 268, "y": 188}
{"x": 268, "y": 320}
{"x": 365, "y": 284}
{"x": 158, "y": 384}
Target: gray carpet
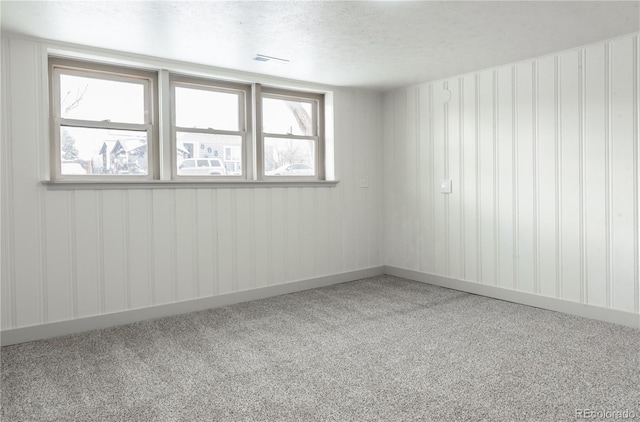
{"x": 382, "y": 348}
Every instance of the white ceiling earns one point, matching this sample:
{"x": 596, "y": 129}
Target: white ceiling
{"x": 376, "y": 45}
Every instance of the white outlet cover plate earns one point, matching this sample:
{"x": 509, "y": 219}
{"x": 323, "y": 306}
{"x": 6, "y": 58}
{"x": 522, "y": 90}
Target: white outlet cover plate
{"x": 445, "y": 186}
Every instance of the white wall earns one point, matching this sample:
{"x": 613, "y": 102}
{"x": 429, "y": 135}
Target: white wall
{"x": 543, "y": 155}
{"x": 73, "y": 254}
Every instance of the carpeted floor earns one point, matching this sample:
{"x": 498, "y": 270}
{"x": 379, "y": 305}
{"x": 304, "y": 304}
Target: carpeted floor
{"x": 382, "y": 348}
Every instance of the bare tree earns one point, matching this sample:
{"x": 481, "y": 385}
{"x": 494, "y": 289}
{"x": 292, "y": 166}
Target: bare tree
{"x": 302, "y": 117}
{"x": 292, "y": 151}
{"x": 68, "y": 146}
{"x": 68, "y": 103}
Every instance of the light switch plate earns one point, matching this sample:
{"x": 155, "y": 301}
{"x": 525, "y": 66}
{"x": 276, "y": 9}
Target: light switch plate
{"x": 445, "y": 186}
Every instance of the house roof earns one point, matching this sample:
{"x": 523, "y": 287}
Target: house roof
{"x": 128, "y": 145}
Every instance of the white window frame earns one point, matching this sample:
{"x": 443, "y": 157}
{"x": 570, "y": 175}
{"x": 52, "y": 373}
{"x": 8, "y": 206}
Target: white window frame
{"x": 161, "y": 147}
{"x": 148, "y": 79}
{"x": 244, "y": 122}
{"x": 318, "y": 127}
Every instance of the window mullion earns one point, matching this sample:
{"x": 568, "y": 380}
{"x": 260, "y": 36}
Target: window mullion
{"x": 167, "y": 141}
{"x": 258, "y": 139}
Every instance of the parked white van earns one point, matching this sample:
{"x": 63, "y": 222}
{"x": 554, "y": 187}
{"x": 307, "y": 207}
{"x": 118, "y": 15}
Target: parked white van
{"x": 201, "y": 167}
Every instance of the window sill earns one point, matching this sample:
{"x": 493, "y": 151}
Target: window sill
{"x": 179, "y": 184}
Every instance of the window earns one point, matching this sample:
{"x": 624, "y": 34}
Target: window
{"x": 108, "y": 124}
{"x": 209, "y": 121}
{"x": 291, "y": 134}
{"x": 103, "y": 121}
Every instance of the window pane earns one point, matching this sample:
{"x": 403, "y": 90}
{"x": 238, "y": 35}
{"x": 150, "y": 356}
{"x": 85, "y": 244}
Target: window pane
{"x": 196, "y": 108}
{"x": 86, "y": 151}
{"x": 287, "y": 117}
{"x": 289, "y": 157}
{"x": 203, "y": 154}
{"x": 86, "y": 98}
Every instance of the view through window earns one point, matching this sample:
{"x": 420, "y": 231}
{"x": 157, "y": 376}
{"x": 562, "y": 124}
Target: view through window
{"x": 102, "y": 121}
{"x": 290, "y": 134}
{"x": 210, "y": 127}
{"x": 105, "y": 125}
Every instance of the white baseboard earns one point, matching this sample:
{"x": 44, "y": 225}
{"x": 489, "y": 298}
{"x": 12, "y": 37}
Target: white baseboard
{"x": 559, "y": 305}
{"x": 55, "y": 329}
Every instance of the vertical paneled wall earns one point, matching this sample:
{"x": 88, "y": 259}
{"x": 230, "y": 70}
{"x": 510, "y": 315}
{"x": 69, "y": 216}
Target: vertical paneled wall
{"x": 543, "y": 156}
{"x": 72, "y": 254}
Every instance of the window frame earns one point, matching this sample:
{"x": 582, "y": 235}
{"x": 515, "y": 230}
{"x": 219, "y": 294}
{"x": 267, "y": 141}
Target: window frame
{"x": 159, "y": 115}
{"x": 58, "y": 66}
{"x": 318, "y": 127}
{"x": 244, "y": 123}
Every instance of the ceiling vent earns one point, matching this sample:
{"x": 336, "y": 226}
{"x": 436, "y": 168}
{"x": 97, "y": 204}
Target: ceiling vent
{"x": 269, "y": 59}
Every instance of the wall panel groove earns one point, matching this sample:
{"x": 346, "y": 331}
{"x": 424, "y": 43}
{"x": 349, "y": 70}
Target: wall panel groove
{"x": 317, "y": 216}
{"x": 496, "y": 178}
{"x": 255, "y": 276}
{"x": 432, "y": 256}
{"x": 558, "y": 173}
{"x": 42, "y": 256}
{"x": 271, "y": 233}
{"x": 173, "y": 229}
{"x": 419, "y": 175}
{"x": 8, "y": 197}
{"x": 454, "y": 199}
{"x": 126, "y": 239}
{"x": 582, "y": 71}
{"x": 100, "y": 252}
{"x": 535, "y": 189}
{"x": 461, "y": 177}
{"x": 546, "y": 178}
{"x": 623, "y": 155}
{"x": 284, "y": 209}
{"x": 40, "y": 156}
{"x": 470, "y": 182}
{"x": 150, "y": 248}
{"x": 73, "y": 264}
{"x": 515, "y": 179}
{"x": 138, "y": 249}
{"x": 636, "y": 173}
{"x": 478, "y": 180}
{"x": 504, "y": 177}
{"x": 445, "y": 146}
{"x": 216, "y": 243}
{"x": 300, "y": 240}
{"x": 608, "y": 146}
{"x": 195, "y": 236}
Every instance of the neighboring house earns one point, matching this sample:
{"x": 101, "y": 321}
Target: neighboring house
{"x": 105, "y": 152}
{"x": 225, "y": 148}
{"x": 183, "y": 152}
{"x": 124, "y": 156}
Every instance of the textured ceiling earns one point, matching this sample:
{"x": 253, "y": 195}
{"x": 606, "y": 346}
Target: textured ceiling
{"x": 377, "y": 45}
